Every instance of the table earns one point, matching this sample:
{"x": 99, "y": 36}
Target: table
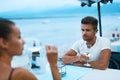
{"x": 83, "y": 73}
{"x": 73, "y": 72}
{"x": 108, "y": 74}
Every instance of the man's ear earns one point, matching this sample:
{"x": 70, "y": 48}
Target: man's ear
{"x": 3, "y": 43}
{"x": 96, "y": 30}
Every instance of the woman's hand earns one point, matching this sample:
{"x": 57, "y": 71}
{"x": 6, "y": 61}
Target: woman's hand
{"x": 52, "y": 55}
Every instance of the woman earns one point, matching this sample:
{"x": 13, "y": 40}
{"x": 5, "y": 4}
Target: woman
{"x": 11, "y": 44}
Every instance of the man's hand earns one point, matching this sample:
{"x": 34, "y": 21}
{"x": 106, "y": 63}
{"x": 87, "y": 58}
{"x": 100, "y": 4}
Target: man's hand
{"x": 83, "y": 57}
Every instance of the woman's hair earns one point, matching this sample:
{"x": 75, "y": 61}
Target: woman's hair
{"x": 5, "y": 29}
{"x": 90, "y": 20}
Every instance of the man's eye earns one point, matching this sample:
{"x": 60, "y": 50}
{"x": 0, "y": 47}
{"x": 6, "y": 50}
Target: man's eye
{"x": 87, "y": 30}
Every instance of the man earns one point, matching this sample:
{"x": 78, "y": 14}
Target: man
{"x": 91, "y": 49}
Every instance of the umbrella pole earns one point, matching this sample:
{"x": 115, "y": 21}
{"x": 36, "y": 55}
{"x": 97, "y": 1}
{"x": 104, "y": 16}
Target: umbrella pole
{"x": 99, "y": 18}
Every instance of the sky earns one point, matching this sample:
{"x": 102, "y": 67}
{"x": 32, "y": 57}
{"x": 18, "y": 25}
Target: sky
{"x": 9, "y": 5}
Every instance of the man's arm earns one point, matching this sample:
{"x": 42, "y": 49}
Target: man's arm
{"x": 103, "y": 61}
{"x": 70, "y": 57}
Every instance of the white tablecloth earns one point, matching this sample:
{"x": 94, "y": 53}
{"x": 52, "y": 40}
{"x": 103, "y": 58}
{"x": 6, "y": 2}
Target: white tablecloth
{"x": 109, "y": 74}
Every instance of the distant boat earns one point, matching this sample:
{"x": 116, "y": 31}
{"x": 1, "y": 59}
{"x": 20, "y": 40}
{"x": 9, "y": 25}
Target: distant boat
{"x": 46, "y": 21}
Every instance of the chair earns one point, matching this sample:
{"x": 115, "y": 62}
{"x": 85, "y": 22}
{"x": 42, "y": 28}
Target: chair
{"x": 114, "y": 61}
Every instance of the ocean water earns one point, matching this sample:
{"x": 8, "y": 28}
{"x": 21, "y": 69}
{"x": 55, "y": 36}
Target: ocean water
{"x": 62, "y": 32}
{"x": 57, "y": 31}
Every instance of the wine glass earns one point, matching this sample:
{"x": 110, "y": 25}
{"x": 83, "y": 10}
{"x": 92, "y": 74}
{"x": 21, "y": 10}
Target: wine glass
{"x": 87, "y": 64}
{"x": 88, "y": 53}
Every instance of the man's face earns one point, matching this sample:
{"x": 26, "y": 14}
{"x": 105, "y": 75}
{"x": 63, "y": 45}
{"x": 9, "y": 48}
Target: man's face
{"x": 88, "y": 33}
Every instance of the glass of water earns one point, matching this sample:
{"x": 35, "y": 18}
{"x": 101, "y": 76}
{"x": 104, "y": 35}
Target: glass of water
{"x": 62, "y": 67}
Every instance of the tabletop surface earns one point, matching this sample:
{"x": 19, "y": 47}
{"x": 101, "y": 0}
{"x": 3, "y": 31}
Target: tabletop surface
{"x": 83, "y": 73}
{"x": 72, "y": 73}
{"x": 108, "y": 74}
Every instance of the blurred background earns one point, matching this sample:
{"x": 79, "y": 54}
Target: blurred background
{"x": 57, "y": 22}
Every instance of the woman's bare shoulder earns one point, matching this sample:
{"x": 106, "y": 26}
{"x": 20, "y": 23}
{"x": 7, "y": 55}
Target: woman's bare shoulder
{"x": 22, "y": 74}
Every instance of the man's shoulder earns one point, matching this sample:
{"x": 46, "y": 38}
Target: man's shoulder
{"x": 103, "y": 39}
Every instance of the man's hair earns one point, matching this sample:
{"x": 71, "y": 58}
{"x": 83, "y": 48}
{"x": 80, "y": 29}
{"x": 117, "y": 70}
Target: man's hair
{"x": 5, "y": 29}
{"x": 90, "y": 20}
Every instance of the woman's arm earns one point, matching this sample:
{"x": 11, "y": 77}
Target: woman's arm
{"x": 52, "y": 57}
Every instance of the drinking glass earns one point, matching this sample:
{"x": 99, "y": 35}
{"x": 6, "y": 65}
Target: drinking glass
{"x": 87, "y": 64}
{"x": 88, "y": 53}
{"x": 62, "y": 67}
